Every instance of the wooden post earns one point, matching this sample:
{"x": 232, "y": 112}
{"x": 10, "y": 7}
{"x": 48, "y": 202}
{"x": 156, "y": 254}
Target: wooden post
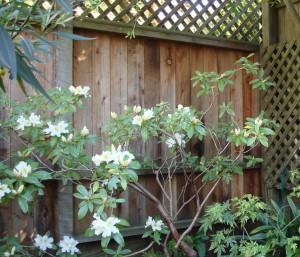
{"x": 268, "y": 24}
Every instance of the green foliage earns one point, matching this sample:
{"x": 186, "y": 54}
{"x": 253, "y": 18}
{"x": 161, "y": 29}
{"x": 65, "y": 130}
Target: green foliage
{"x": 19, "y": 53}
{"x": 276, "y": 232}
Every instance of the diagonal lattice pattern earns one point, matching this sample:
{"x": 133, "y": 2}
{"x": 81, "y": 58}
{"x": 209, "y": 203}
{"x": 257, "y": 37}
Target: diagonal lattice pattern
{"x": 282, "y": 104}
{"x": 205, "y": 17}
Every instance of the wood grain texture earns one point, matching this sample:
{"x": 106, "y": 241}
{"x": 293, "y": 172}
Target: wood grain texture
{"x": 142, "y": 72}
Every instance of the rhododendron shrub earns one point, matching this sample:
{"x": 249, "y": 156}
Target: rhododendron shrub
{"x": 50, "y": 148}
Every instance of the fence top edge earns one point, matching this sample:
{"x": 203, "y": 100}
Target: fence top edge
{"x": 164, "y": 34}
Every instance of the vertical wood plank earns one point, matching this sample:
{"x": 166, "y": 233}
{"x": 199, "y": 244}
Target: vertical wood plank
{"x": 211, "y": 117}
{"x": 183, "y": 96}
{"x": 119, "y": 89}
{"x": 225, "y": 63}
{"x": 167, "y": 94}
{"x": 83, "y": 76}
{"x": 152, "y": 84}
{"x": 101, "y": 98}
{"x": 237, "y": 105}
{"x": 135, "y": 83}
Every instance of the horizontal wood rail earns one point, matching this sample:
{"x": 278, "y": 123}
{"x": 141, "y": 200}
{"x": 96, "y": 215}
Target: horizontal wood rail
{"x": 158, "y": 33}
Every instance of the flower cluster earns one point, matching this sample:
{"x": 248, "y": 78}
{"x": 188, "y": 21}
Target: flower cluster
{"x": 115, "y": 155}
{"x": 81, "y": 91}
{"x": 56, "y": 130}
{"x": 106, "y": 228}
{"x": 22, "y": 170}
{"x": 33, "y": 120}
{"x": 68, "y": 244}
{"x": 138, "y": 120}
{"x": 4, "y": 189}
{"x": 178, "y": 140}
{"x": 43, "y": 242}
{"x": 155, "y": 225}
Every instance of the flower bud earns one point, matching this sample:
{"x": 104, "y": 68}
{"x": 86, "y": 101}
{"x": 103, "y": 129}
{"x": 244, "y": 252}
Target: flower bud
{"x": 20, "y": 189}
{"x": 137, "y": 109}
{"x": 258, "y": 121}
{"x": 237, "y": 131}
{"x": 84, "y": 132}
{"x": 114, "y": 115}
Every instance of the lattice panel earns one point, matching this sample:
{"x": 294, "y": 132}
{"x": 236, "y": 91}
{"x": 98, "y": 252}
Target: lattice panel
{"x": 282, "y": 104}
{"x": 211, "y": 18}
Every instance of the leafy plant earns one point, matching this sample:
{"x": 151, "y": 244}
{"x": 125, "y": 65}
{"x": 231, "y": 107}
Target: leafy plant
{"x": 276, "y": 231}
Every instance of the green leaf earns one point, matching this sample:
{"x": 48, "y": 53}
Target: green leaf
{"x": 23, "y": 204}
{"x": 25, "y": 72}
{"x": 42, "y": 175}
{"x": 109, "y": 251}
{"x": 112, "y": 183}
{"x": 8, "y": 52}
{"x": 21, "y": 84}
{"x": 144, "y": 133}
{"x": 123, "y": 183}
{"x": 133, "y": 176}
{"x": 96, "y": 186}
{"x": 156, "y": 237}
{"x": 105, "y": 242}
{"x": 82, "y": 211}
{"x": 89, "y": 232}
{"x": 146, "y": 234}
{"x": 82, "y": 190}
{"x": 119, "y": 239}
{"x": 33, "y": 180}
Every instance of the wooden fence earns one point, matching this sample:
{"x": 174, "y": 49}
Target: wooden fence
{"x": 135, "y": 72}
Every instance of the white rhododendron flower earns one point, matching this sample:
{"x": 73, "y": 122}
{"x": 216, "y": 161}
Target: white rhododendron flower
{"x": 34, "y": 119}
{"x": 22, "y": 170}
{"x": 137, "y": 109}
{"x": 258, "y": 121}
{"x": 97, "y": 159}
{"x": 115, "y": 155}
{"x": 155, "y": 225}
{"x": 106, "y": 228}
{"x": 68, "y": 244}
{"x": 43, "y": 242}
{"x": 56, "y": 130}
{"x": 84, "y": 132}
{"x": 178, "y": 139}
{"x": 148, "y": 114}
{"x": 22, "y": 123}
{"x": 170, "y": 142}
{"x": 185, "y": 109}
{"x": 4, "y": 189}
{"x": 83, "y": 91}
{"x": 137, "y": 120}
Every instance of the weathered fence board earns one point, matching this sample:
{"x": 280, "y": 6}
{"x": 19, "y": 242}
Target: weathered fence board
{"x": 151, "y": 71}
{"x": 137, "y": 72}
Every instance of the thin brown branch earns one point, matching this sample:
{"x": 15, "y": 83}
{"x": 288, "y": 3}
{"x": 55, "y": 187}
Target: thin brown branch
{"x": 141, "y": 251}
